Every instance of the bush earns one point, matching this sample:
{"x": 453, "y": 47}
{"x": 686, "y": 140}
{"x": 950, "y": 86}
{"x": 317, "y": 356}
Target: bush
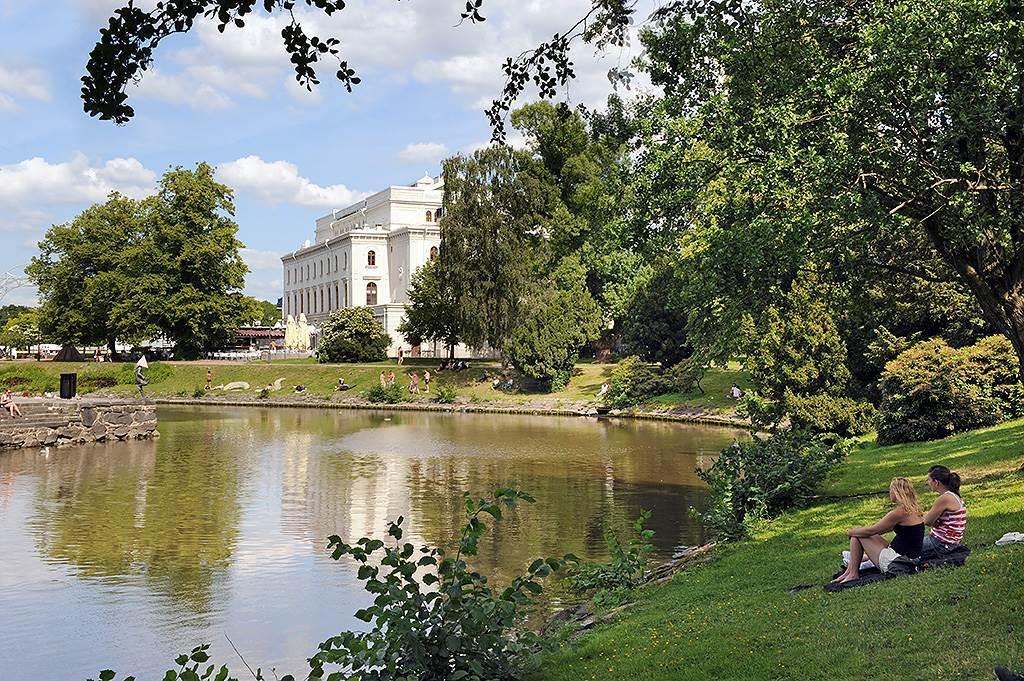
{"x": 627, "y": 564}
{"x": 353, "y": 334}
{"x": 198, "y": 392}
{"x": 633, "y": 382}
{"x": 432, "y": 618}
{"x": 545, "y": 344}
{"x": 820, "y": 413}
{"x": 765, "y": 477}
{"x": 446, "y": 393}
{"x": 934, "y": 390}
{"x": 91, "y": 382}
{"x": 392, "y": 394}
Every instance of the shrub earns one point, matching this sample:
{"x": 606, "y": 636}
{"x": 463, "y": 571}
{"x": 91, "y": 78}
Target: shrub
{"x": 633, "y": 382}
{"x": 198, "y": 392}
{"x": 432, "y": 616}
{"x": 627, "y": 565}
{"x": 353, "y": 334}
{"x": 545, "y": 344}
{"x": 934, "y": 390}
{"x": 392, "y": 394}
{"x": 446, "y": 393}
{"x": 821, "y": 413}
{"x": 765, "y": 477}
{"x": 91, "y": 382}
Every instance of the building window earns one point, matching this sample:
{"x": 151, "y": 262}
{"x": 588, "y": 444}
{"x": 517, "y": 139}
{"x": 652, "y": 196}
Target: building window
{"x": 371, "y": 258}
{"x": 433, "y": 252}
{"x": 322, "y": 308}
{"x": 337, "y": 298}
{"x": 344, "y": 260}
{"x": 430, "y": 216}
{"x": 335, "y": 263}
{"x": 371, "y": 293}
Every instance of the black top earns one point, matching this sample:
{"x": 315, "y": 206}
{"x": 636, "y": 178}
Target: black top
{"x": 908, "y": 540}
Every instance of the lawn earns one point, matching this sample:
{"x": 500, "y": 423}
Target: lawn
{"x": 734, "y": 618}
{"x": 188, "y": 379}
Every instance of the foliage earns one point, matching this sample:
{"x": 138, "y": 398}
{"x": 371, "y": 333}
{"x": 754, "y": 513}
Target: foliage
{"x": 191, "y": 667}
{"x": 489, "y": 239}
{"x": 798, "y": 348}
{"x": 933, "y": 390}
{"x": 22, "y": 330}
{"x": 862, "y": 140}
{"x": 766, "y": 476}
{"x": 433, "y": 311}
{"x": 545, "y": 344}
{"x": 9, "y": 312}
{"x": 167, "y": 265}
{"x": 822, "y": 413}
{"x": 391, "y": 394}
{"x": 433, "y": 617}
{"x": 353, "y": 334}
{"x": 654, "y": 327}
{"x": 627, "y": 565}
{"x": 270, "y": 313}
{"x": 634, "y": 381}
{"x": 446, "y": 393}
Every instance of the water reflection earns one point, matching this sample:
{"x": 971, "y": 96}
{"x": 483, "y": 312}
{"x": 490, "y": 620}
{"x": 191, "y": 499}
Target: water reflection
{"x": 124, "y": 555}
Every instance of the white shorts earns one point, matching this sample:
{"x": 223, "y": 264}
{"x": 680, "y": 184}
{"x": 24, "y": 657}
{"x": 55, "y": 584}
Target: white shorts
{"x": 886, "y": 557}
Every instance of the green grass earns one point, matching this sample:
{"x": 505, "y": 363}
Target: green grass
{"x": 182, "y": 379}
{"x": 733, "y": 618}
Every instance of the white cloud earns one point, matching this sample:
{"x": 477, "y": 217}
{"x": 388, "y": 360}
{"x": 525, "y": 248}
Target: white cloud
{"x": 423, "y": 152}
{"x": 258, "y": 259}
{"x": 182, "y": 89}
{"x": 22, "y": 82}
{"x": 280, "y": 182}
{"x": 36, "y": 181}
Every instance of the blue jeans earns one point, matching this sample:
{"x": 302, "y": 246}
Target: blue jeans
{"x": 936, "y": 546}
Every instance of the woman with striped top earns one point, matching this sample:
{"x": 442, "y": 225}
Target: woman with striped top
{"x": 948, "y": 516}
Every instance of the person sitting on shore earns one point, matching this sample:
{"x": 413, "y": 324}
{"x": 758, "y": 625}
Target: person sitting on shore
{"x": 604, "y": 390}
{"x": 7, "y": 402}
{"x": 300, "y": 388}
{"x": 905, "y": 519}
{"x": 342, "y": 385}
{"x": 948, "y": 515}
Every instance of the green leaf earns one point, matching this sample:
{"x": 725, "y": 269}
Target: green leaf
{"x": 107, "y": 675}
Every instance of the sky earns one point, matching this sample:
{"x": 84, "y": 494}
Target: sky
{"x": 230, "y": 100}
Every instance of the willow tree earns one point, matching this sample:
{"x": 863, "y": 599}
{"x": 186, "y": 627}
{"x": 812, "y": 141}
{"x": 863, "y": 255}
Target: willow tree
{"x": 864, "y": 135}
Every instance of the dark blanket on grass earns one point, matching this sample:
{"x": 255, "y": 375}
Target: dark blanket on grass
{"x": 903, "y": 566}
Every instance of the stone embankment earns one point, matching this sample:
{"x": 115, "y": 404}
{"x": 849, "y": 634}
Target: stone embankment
{"x": 62, "y": 423}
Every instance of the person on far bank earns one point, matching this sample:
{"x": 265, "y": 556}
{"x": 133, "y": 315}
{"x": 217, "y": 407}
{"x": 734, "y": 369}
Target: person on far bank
{"x": 948, "y": 515}
{"x": 383, "y": 379}
{"x": 209, "y": 379}
{"x": 905, "y": 519}
{"x": 401, "y": 356}
{"x": 7, "y": 402}
{"x": 426, "y": 380}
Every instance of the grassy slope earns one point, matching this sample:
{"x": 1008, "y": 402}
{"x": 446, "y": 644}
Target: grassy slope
{"x": 733, "y": 618}
{"x": 186, "y": 377}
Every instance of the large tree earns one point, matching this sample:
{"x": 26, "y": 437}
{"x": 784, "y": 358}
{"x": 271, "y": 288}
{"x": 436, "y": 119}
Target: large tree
{"x": 433, "y": 311}
{"x": 866, "y": 135}
{"x": 492, "y": 239}
{"x": 83, "y": 273}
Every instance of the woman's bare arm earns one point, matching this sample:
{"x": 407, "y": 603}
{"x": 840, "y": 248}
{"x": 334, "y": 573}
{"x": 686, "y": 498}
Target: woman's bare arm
{"x": 888, "y": 521}
{"x": 942, "y": 504}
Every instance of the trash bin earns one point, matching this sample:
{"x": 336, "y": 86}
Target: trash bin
{"x": 68, "y": 386}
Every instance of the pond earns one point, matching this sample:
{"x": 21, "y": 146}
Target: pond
{"x": 125, "y": 555}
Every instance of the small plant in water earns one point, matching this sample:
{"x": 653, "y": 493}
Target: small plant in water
{"x": 627, "y": 564}
{"x": 433, "y": 618}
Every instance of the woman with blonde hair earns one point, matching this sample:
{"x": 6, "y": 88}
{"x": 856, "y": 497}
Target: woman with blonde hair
{"x": 905, "y": 519}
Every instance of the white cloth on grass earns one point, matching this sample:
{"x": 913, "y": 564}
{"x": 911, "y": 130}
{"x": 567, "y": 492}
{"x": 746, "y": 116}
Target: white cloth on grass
{"x": 1011, "y": 538}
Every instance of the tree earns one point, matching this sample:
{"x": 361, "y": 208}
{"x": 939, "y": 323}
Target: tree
{"x": 188, "y": 269}
{"x": 492, "y": 243}
{"x": 8, "y": 312}
{"x": 655, "y": 321}
{"x": 270, "y": 313}
{"x": 838, "y": 132}
{"x": 126, "y": 47}
{"x": 83, "y": 273}
{"x": 21, "y": 331}
{"x": 353, "y": 334}
{"x": 433, "y": 311}
{"x": 546, "y": 342}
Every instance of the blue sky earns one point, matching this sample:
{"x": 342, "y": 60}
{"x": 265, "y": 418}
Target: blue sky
{"x": 230, "y": 100}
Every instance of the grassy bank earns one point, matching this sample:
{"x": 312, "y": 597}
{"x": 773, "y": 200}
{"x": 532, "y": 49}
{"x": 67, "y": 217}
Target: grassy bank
{"x": 733, "y": 617}
{"x": 188, "y": 379}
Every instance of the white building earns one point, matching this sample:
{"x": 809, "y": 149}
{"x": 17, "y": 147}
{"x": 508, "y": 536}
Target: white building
{"x": 365, "y": 255}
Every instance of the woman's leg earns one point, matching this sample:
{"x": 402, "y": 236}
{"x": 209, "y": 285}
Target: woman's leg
{"x": 870, "y": 546}
{"x": 854, "y": 548}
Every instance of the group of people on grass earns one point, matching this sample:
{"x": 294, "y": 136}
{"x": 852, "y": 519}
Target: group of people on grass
{"x": 947, "y": 519}
{"x": 387, "y": 379}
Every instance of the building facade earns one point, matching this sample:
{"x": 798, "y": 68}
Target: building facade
{"x": 366, "y": 254}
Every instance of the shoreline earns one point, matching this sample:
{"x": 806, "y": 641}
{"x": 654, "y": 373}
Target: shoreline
{"x": 581, "y": 410}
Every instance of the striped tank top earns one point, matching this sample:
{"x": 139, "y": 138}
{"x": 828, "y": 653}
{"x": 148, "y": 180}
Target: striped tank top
{"x": 949, "y": 527}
